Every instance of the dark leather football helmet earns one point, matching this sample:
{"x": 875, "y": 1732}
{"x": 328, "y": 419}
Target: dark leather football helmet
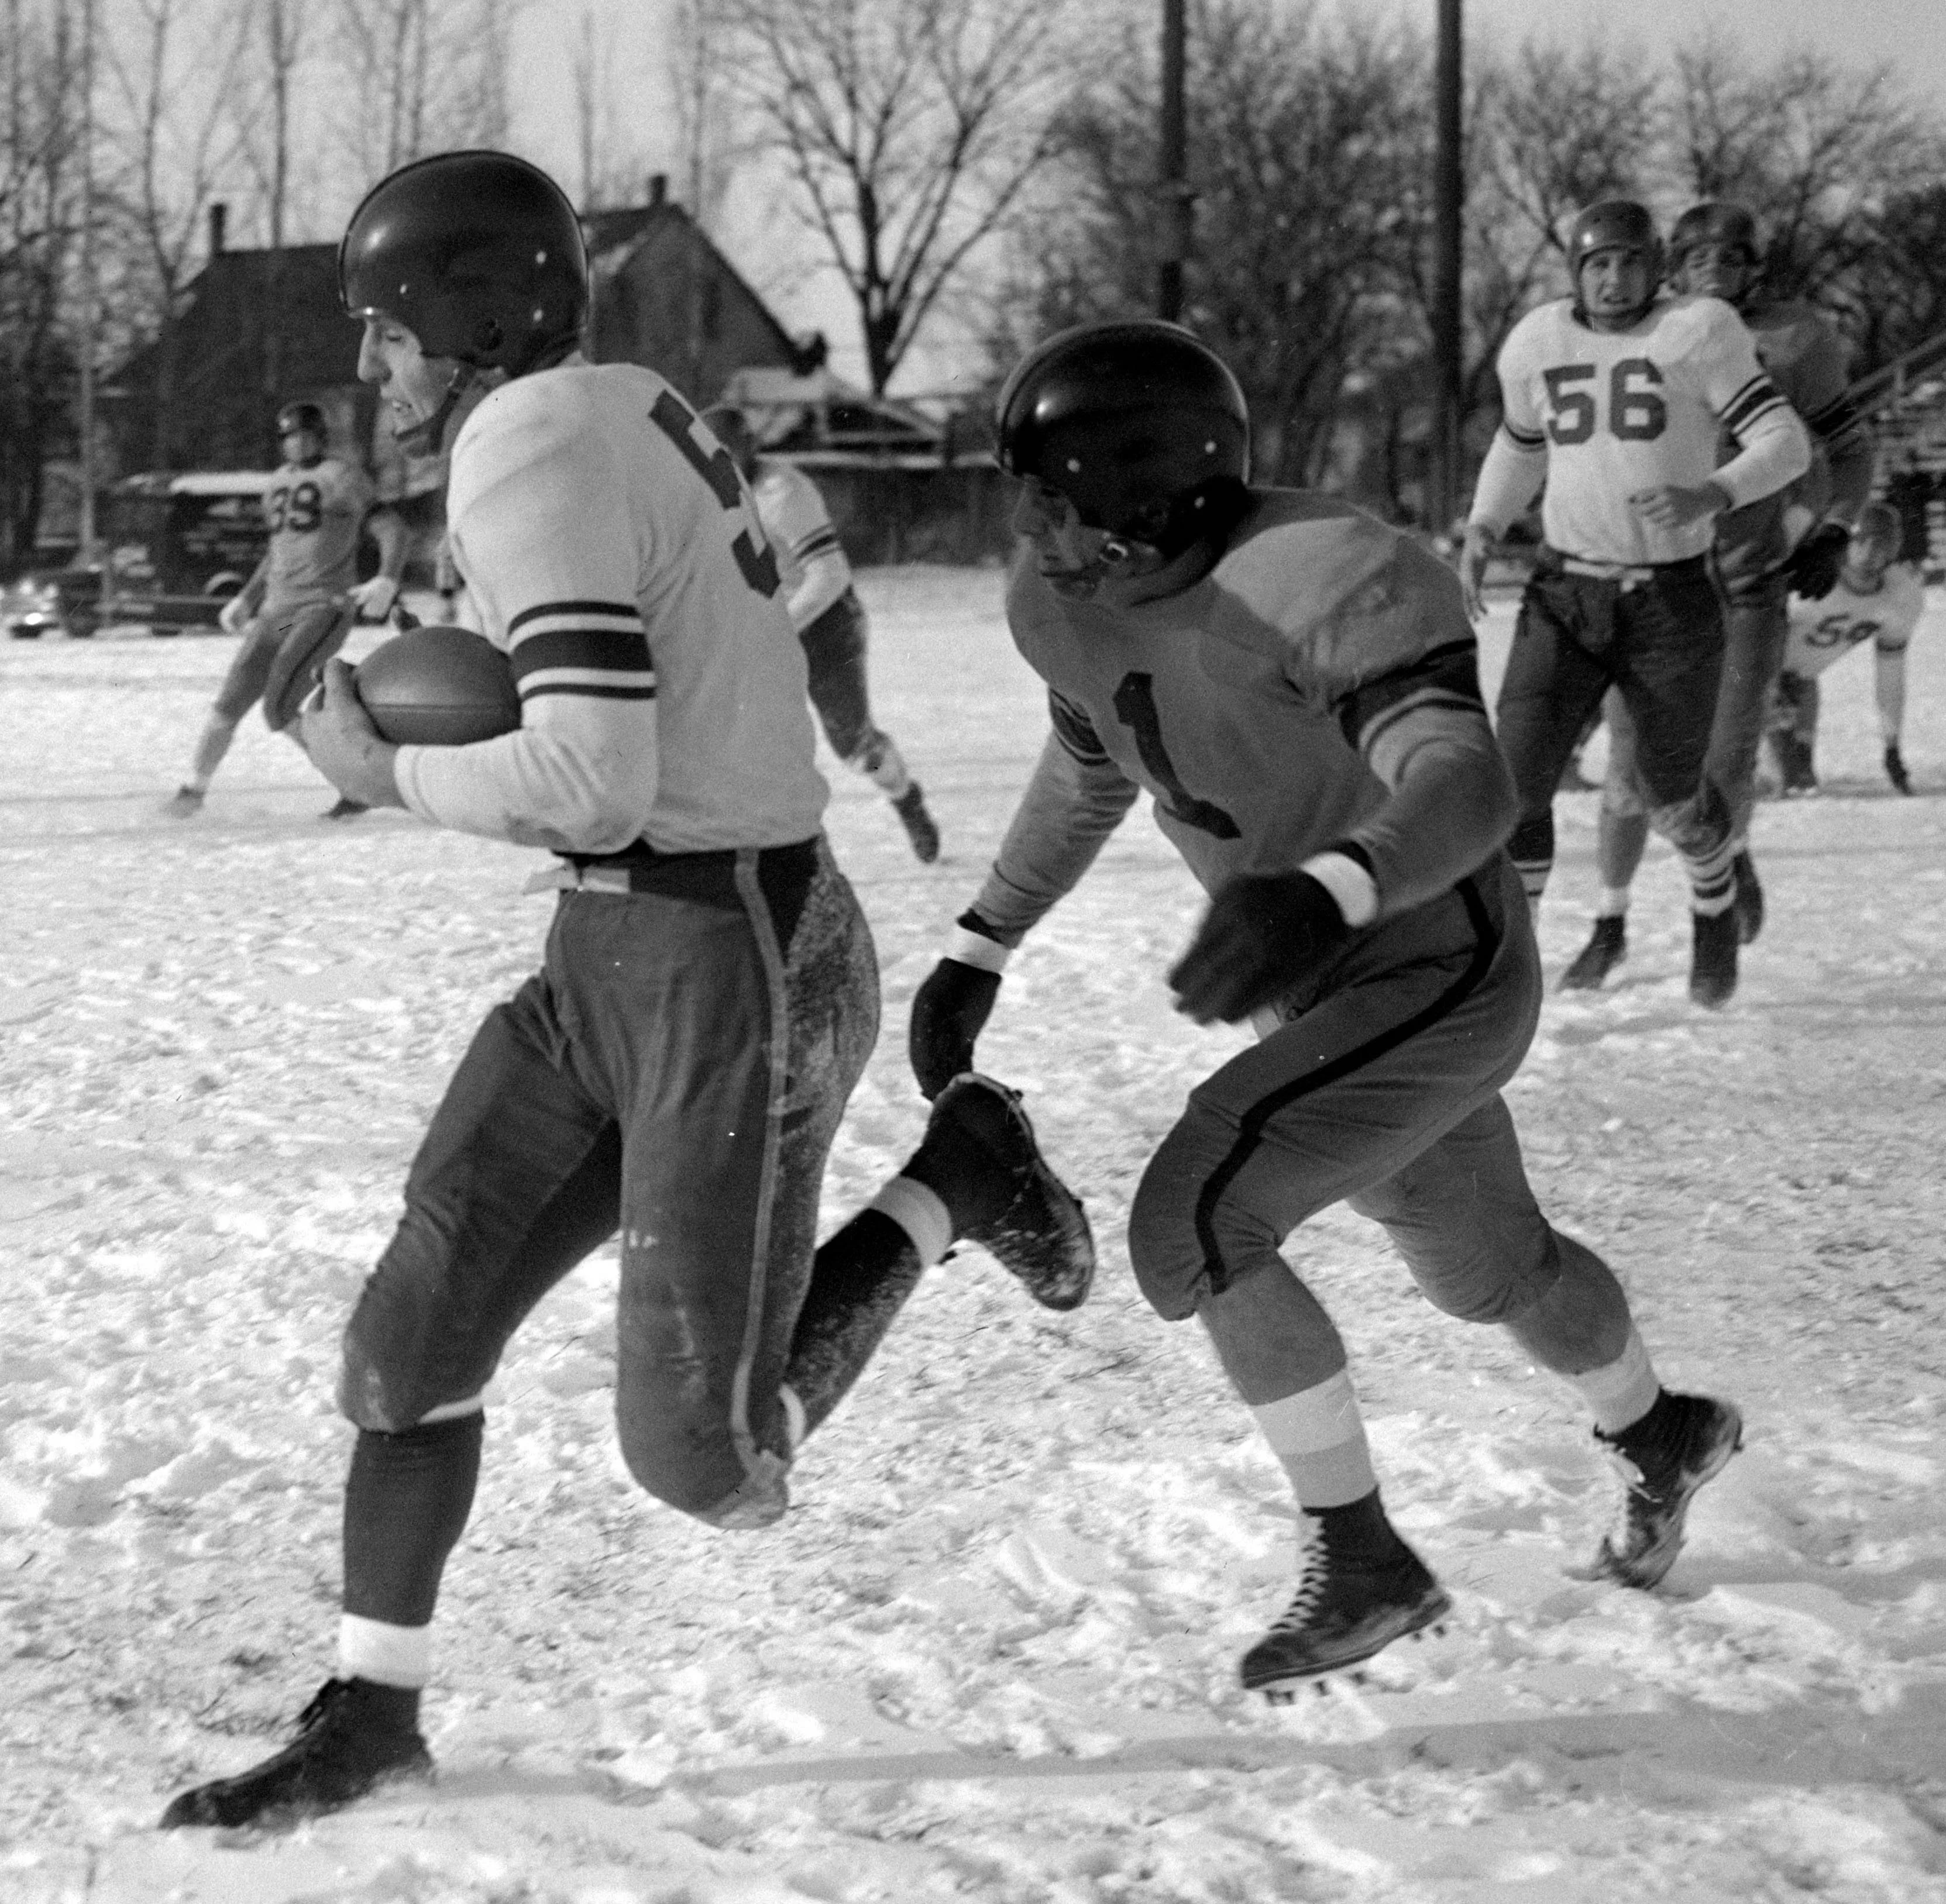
{"x": 478, "y": 254}
{"x": 1137, "y": 422}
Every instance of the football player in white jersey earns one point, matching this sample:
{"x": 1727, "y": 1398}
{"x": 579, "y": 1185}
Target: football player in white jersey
{"x": 1792, "y": 541}
{"x": 314, "y": 510}
{"x": 1615, "y": 398}
{"x": 1877, "y": 598}
{"x": 1295, "y": 686}
{"x": 677, "y": 1068}
{"x": 828, "y": 617}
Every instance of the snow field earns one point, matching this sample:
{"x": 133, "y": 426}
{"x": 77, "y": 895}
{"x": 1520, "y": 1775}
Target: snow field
{"x": 990, "y": 1654}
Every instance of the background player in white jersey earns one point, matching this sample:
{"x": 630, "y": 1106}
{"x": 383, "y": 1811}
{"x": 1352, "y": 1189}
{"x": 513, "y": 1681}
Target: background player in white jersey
{"x": 1877, "y": 598}
{"x": 315, "y": 511}
{"x": 708, "y": 996}
{"x": 1792, "y": 540}
{"x": 829, "y": 619}
{"x": 1616, "y": 399}
{"x": 1294, "y": 685}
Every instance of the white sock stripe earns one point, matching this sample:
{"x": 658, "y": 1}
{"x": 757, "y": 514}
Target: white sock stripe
{"x": 452, "y": 1411}
{"x": 918, "y": 1211}
{"x": 1622, "y": 1390}
{"x": 975, "y": 948}
{"x": 793, "y": 1408}
{"x": 1325, "y": 1416}
{"x": 392, "y": 1656}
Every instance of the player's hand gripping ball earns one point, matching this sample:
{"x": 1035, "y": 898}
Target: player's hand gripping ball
{"x": 438, "y": 686}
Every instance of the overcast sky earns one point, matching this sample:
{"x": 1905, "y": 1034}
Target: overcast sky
{"x": 1909, "y": 34}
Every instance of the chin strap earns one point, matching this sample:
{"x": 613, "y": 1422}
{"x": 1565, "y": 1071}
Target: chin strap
{"x": 424, "y": 439}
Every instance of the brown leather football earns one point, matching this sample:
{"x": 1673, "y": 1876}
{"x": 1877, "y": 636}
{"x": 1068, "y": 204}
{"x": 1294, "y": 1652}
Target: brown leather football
{"x": 438, "y": 686}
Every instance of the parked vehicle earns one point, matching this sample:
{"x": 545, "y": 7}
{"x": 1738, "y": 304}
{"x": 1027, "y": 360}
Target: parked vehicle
{"x": 179, "y": 546}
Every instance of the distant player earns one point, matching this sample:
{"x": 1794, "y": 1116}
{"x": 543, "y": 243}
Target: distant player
{"x": 315, "y": 511}
{"x": 1877, "y": 598}
{"x": 708, "y": 996}
{"x": 1294, "y": 684}
{"x": 1793, "y": 539}
{"x": 830, "y": 620}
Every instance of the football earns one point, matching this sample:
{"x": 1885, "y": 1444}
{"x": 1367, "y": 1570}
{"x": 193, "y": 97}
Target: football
{"x": 438, "y": 686}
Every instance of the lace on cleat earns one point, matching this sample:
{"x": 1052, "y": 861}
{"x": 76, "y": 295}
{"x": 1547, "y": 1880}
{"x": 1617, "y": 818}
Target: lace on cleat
{"x": 1663, "y": 1464}
{"x": 1607, "y": 946}
{"x": 1002, "y": 1193}
{"x": 1343, "y": 1613}
{"x": 924, "y": 835}
{"x": 347, "y": 1744}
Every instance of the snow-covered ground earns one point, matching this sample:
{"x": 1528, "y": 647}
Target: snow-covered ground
{"x": 990, "y": 1654}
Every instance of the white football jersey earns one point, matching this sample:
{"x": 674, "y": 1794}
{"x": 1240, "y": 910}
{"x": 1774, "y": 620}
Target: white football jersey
{"x": 1821, "y": 631}
{"x": 613, "y": 552}
{"x": 1621, "y": 411}
{"x": 810, "y": 557}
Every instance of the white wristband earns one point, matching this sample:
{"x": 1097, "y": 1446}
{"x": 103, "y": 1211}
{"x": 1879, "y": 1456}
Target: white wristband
{"x": 1348, "y": 883}
{"x": 975, "y": 948}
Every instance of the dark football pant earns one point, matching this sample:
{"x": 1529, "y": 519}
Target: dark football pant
{"x": 1382, "y": 1089}
{"x": 1659, "y": 644}
{"x": 1755, "y": 627}
{"x": 676, "y": 1070}
{"x": 834, "y": 648}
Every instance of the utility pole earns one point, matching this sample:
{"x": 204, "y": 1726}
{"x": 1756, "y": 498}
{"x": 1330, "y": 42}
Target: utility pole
{"x": 1175, "y": 162}
{"x": 1443, "y": 476}
{"x": 87, "y": 313}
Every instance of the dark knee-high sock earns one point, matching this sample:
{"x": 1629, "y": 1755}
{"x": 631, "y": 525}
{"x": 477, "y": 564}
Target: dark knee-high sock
{"x": 860, "y": 1279}
{"x": 405, "y": 1505}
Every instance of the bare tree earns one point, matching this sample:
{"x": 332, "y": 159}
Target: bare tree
{"x": 1305, "y": 139}
{"x": 712, "y": 144}
{"x": 909, "y": 129}
{"x": 174, "y": 73}
{"x": 39, "y": 222}
{"x": 421, "y": 76}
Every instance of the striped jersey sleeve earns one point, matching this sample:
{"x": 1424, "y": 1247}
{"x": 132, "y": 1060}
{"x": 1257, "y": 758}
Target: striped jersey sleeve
{"x": 600, "y": 649}
{"x": 811, "y": 558}
{"x": 541, "y": 527}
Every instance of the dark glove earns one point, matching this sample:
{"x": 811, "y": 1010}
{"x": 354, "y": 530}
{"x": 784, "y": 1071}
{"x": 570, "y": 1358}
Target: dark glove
{"x": 1261, "y": 934}
{"x": 1894, "y": 768}
{"x": 948, "y": 1011}
{"x": 1812, "y": 570}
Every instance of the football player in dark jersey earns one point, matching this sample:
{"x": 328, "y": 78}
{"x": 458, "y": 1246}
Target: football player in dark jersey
{"x": 1293, "y": 683}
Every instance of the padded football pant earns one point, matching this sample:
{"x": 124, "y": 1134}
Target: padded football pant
{"x": 1381, "y": 1088}
{"x": 1755, "y": 629}
{"x": 834, "y": 646}
{"x": 1659, "y": 644}
{"x": 676, "y": 1070}
{"x": 249, "y": 672}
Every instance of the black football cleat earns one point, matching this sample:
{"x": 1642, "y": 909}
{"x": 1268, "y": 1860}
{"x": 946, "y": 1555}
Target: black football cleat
{"x": 1684, "y": 1441}
{"x": 1894, "y": 768}
{"x": 184, "y": 803}
{"x": 349, "y": 1741}
{"x": 1607, "y": 946}
{"x": 1712, "y": 957}
{"x": 910, "y": 807}
{"x": 1748, "y": 902}
{"x": 980, "y": 1158}
{"x": 346, "y": 808}
{"x": 1345, "y": 1612}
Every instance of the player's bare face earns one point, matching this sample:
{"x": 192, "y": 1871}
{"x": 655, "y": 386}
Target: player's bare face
{"x": 1721, "y": 271}
{"x": 1070, "y": 557}
{"x": 1617, "y": 283}
{"x": 301, "y": 447}
{"x": 1866, "y": 559}
{"x": 411, "y": 384}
